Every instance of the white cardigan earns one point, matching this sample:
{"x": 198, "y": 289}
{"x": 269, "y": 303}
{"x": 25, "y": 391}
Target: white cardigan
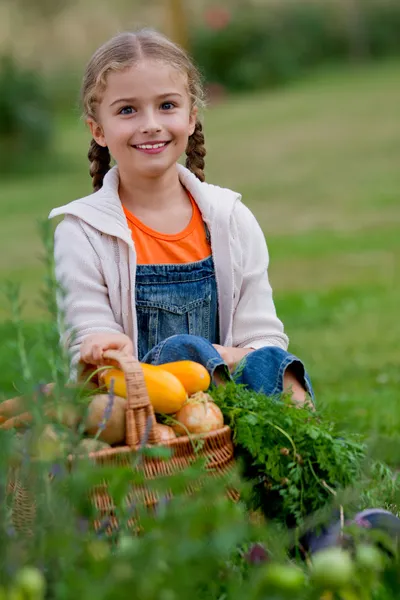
{"x": 95, "y": 264}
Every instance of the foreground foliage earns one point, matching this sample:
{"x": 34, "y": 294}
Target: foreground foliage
{"x": 204, "y": 545}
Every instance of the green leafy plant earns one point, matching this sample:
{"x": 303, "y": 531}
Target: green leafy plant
{"x": 297, "y": 461}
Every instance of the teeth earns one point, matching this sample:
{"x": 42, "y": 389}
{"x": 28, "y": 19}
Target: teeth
{"x": 151, "y": 146}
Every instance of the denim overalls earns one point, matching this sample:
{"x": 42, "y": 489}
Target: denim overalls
{"x": 177, "y": 318}
{"x": 176, "y": 299}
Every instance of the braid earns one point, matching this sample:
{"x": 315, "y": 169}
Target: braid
{"x": 100, "y": 160}
{"x": 195, "y": 152}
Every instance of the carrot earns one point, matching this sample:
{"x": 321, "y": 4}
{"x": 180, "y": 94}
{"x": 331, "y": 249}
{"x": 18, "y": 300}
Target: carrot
{"x": 67, "y": 415}
{"x": 12, "y": 407}
{"x": 18, "y": 421}
{"x": 15, "y": 406}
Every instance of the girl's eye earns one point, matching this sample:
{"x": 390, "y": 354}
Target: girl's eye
{"x": 167, "y": 105}
{"x": 127, "y": 110}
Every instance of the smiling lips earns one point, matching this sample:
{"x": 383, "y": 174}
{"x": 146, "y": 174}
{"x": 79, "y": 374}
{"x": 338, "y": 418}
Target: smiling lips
{"x": 153, "y": 148}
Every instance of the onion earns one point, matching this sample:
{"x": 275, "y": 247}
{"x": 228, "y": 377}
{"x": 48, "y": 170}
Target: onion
{"x": 165, "y": 432}
{"x": 199, "y": 415}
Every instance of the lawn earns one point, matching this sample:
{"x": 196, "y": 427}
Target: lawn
{"x": 317, "y": 162}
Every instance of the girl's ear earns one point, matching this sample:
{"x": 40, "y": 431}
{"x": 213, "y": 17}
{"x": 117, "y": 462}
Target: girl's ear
{"x": 97, "y": 132}
{"x": 192, "y": 119}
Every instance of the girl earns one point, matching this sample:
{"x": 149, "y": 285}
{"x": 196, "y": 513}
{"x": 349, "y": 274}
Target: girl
{"x": 156, "y": 262}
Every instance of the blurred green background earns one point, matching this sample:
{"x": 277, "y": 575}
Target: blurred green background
{"x": 303, "y": 120}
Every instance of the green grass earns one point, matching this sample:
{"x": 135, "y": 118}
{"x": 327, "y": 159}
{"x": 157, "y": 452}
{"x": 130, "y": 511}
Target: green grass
{"x": 317, "y": 162}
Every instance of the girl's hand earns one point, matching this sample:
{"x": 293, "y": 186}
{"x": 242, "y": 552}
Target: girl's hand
{"x": 232, "y": 356}
{"x": 93, "y": 346}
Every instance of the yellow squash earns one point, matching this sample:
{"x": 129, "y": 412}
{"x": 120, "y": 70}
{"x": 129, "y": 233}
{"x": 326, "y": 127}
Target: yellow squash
{"x": 119, "y": 381}
{"x": 166, "y": 393}
{"x": 192, "y": 375}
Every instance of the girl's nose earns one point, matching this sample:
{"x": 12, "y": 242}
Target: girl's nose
{"x": 150, "y": 125}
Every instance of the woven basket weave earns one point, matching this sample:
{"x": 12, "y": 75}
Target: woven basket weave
{"x": 216, "y": 448}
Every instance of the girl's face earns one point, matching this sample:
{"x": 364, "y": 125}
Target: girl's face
{"x": 145, "y": 118}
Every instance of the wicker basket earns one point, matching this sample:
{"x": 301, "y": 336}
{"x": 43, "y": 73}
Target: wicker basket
{"x": 216, "y": 448}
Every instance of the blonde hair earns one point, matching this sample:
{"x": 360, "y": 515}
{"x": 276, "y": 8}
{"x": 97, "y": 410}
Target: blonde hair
{"x": 123, "y": 51}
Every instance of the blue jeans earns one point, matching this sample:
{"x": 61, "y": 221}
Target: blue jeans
{"x": 261, "y": 370}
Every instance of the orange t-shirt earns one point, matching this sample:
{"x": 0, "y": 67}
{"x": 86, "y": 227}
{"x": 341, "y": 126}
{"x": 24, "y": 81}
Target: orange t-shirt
{"x": 155, "y": 248}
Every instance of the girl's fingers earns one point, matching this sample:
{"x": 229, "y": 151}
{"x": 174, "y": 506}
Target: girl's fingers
{"x": 97, "y": 353}
{"x": 91, "y": 354}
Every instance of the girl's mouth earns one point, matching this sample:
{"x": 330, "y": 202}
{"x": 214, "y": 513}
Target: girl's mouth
{"x": 151, "y": 148}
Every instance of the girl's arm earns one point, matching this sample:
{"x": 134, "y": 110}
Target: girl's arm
{"x": 83, "y": 301}
{"x": 255, "y": 323}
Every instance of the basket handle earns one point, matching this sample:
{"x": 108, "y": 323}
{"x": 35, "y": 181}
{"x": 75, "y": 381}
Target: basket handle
{"x": 140, "y": 417}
